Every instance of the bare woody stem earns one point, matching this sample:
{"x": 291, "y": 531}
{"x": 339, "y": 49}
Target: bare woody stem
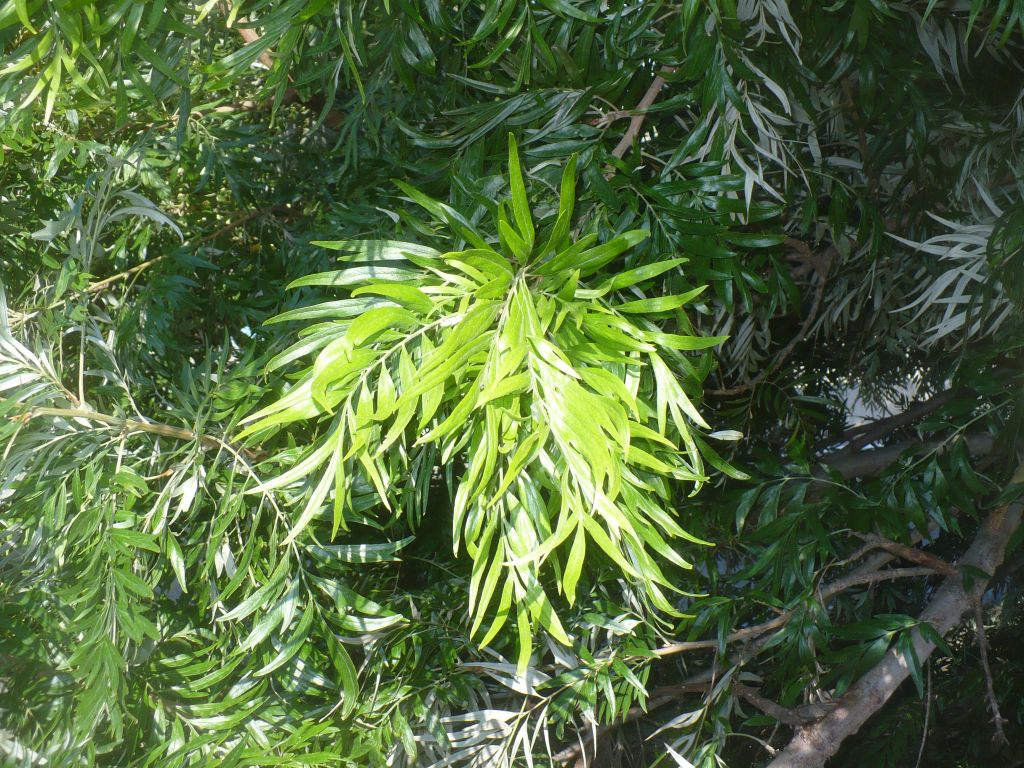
{"x": 863, "y": 434}
{"x": 101, "y": 284}
{"x": 636, "y": 122}
{"x": 812, "y": 746}
{"x": 826, "y": 593}
{"x": 133, "y": 425}
{"x": 911, "y": 554}
{"x": 998, "y": 721}
{"x": 750, "y": 641}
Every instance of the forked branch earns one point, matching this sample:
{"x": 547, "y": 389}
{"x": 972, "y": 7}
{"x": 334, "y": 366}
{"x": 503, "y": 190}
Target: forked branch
{"x": 811, "y": 747}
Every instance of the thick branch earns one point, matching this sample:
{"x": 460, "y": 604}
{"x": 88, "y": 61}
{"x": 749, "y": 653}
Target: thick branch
{"x": 793, "y": 717}
{"x": 873, "y": 462}
{"x": 865, "y": 574}
{"x": 864, "y": 434}
{"x": 752, "y": 639}
{"x": 811, "y": 747}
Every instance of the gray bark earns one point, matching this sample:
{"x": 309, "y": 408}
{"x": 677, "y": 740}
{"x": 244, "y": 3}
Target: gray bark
{"x": 811, "y": 747}
{"x": 873, "y": 462}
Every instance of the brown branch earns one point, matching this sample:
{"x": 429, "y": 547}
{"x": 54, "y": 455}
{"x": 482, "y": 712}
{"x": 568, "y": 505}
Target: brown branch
{"x": 250, "y": 35}
{"x": 840, "y": 585}
{"x": 754, "y": 639}
{"x": 826, "y": 593}
{"x": 865, "y": 574}
{"x": 101, "y": 284}
{"x": 881, "y": 559}
{"x": 873, "y": 462}
{"x": 686, "y": 646}
{"x": 636, "y": 122}
{"x": 863, "y": 434}
{"x": 869, "y": 572}
{"x": 133, "y": 425}
{"x": 795, "y": 717}
{"x": 911, "y": 554}
{"x": 239, "y": 221}
{"x": 811, "y": 747}
{"x": 291, "y": 95}
{"x": 822, "y": 263}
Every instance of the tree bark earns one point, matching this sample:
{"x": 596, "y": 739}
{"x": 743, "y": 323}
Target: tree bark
{"x": 811, "y": 747}
{"x": 865, "y": 434}
{"x": 873, "y": 462}
{"x": 640, "y": 113}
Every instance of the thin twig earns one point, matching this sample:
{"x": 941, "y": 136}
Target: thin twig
{"x": 101, "y": 284}
{"x": 822, "y": 264}
{"x": 826, "y": 593}
{"x": 636, "y": 122}
{"x": 732, "y": 637}
{"x": 232, "y": 224}
{"x": 881, "y": 559}
{"x": 133, "y": 425}
{"x": 999, "y": 735}
{"x": 927, "y": 713}
{"x": 235, "y": 223}
{"x": 108, "y": 281}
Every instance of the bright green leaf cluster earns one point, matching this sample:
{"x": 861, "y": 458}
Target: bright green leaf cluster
{"x": 560, "y": 404}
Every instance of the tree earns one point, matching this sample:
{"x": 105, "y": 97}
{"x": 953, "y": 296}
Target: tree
{"x": 540, "y": 383}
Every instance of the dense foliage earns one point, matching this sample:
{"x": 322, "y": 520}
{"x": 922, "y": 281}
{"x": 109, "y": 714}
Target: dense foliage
{"x": 507, "y": 383}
